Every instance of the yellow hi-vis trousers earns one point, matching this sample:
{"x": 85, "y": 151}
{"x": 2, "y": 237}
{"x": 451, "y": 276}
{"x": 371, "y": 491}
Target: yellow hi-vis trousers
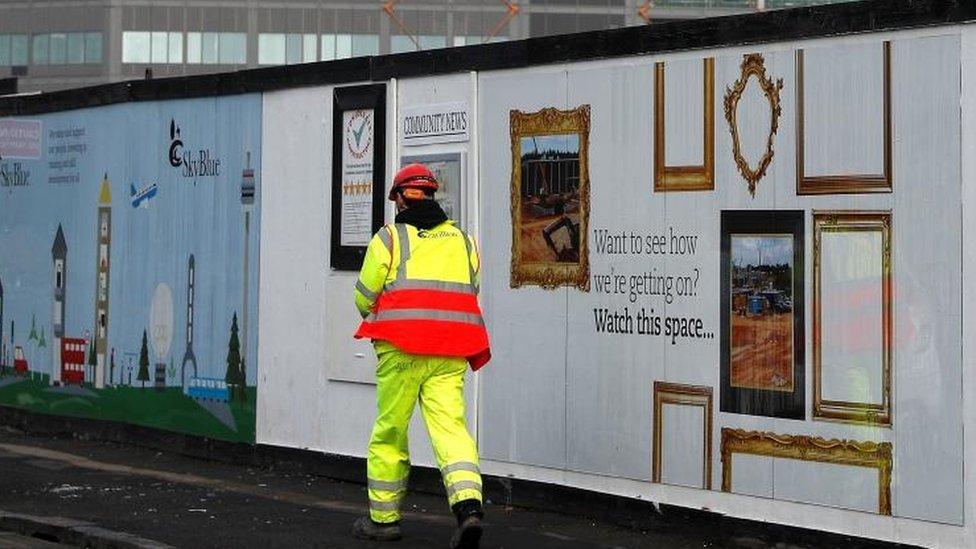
{"x": 438, "y": 383}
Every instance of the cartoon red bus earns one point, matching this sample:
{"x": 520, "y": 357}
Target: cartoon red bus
{"x": 73, "y": 360}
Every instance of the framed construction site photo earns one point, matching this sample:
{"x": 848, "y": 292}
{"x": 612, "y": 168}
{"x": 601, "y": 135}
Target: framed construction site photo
{"x": 550, "y": 196}
{"x": 762, "y": 337}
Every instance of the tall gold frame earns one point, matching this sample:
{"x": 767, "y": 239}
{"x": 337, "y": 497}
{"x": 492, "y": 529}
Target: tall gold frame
{"x": 685, "y": 395}
{"x": 753, "y": 64}
{"x": 548, "y": 121}
{"x": 685, "y": 178}
{"x": 845, "y": 184}
{"x": 853, "y": 221}
{"x": 876, "y": 455}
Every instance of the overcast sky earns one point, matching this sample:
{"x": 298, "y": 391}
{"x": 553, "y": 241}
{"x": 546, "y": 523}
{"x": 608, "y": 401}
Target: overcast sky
{"x": 775, "y": 250}
{"x": 568, "y": 142}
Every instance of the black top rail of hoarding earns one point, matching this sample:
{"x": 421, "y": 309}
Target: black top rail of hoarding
{"x": 736, "y": 30}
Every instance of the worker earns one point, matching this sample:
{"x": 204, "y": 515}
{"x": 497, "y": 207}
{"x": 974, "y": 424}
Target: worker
{"x": 417, "y": 292}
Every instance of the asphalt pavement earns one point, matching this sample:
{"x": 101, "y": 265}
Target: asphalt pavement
{"x": 187, "y": 502}
{"x": 169, "y": 499}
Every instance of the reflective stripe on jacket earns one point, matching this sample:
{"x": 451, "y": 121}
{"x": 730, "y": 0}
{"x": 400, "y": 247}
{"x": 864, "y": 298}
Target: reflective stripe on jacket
{"x": 418, "y": 290}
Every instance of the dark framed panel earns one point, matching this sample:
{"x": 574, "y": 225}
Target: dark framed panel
{"x": 762, "y": 332}
{"x": 358, "y": 171}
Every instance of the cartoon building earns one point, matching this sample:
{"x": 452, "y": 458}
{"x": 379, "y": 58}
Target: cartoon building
{"x": 188, "y": 356}
{"x": 102, "y": 270}
{"x": 59, "y": 256}
{"x": 247, "y": 201}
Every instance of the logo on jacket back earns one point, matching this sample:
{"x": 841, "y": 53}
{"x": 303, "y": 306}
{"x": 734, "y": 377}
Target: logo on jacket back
{"x": 202, "y": 164}
{"x": 424, "y": 233}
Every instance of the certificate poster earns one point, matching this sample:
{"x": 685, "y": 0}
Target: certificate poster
{"x": 357, "y": 178}
{"x": 358, "y": 172}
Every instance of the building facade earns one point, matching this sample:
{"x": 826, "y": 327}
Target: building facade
{"x": 56, "y": 44}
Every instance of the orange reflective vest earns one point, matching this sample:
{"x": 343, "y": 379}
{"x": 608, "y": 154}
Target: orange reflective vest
{"x": 426, "y": 316}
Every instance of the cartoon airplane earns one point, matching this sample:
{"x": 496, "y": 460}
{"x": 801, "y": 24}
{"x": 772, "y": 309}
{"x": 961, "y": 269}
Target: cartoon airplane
{"x": 141, "y": 197}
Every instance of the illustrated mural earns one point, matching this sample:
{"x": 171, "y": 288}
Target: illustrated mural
{"x": 102, "y": 342}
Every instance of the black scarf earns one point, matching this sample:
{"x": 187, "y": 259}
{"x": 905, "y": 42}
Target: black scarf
{"x": 425, "y": 215}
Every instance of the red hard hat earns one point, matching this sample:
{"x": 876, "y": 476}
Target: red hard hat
{"x": 413, "y": 176}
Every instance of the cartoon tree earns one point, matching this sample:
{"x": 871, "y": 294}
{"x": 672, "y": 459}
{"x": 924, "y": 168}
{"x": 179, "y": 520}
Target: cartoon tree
{"x": 233, "y": 375}
{"x": 144, "y": 361}
{"x": 111, "y": 367}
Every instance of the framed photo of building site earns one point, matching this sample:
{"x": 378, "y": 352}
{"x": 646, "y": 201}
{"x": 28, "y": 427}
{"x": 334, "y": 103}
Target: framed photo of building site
{"x": 550, "y": 196}
{"x": 762, "y": 336}
{"x": 852, "y": 324}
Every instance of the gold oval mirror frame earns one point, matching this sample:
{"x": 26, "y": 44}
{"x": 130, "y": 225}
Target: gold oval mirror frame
{"x": 753, "y": 64}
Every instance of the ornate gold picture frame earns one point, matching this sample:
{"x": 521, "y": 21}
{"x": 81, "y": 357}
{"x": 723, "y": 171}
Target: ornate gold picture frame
{"x": 683, "y": 395}
{"x": 685, "y": 178}
{"x": 873, "y": 413}
{"x": 852, "y": 183}
{"x": 550, "y": 198}
{"x": 876, "y": 455}
{"x": 753, "y": 65}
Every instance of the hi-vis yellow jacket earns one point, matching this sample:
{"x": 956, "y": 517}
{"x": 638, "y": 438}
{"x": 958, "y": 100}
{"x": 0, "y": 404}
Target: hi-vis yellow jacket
{"x": 418, "y": 290}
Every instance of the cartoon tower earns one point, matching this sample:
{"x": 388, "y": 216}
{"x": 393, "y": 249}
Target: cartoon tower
{"x": 188, "y": 356}
{"x": 59, "y": 256}
{"x": 102, "y": 266}
{"x": 247, "y": 201}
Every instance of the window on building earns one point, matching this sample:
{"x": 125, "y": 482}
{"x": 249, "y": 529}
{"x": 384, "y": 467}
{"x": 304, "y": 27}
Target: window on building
{"x": 93, "y": 47}
{"x": 5, "y": 50}
{"x": 59, "y": 49}
{"x": 176, "y": 47}
{"x": 343, "y": 46}
{"x": 193, "y": 47}
{"x": 365, "y": 44}
{"x": 309, "y": 48}
{"x": 41, "y": 48}
{"x": 271, "y": 49}
{"x": 279, "y": 48}
{"x": 136, "y": 47}
{"x": 209, "y": 53}
{"x": 233, "y": 48}
{"x": 293, "y": 48}
{"x": 159, "y": 47}
{"x": 76, "y": 48}
{"x": 18, "y": 49}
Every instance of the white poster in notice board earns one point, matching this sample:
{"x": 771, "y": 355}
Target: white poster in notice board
{"x": 438, "y": 123}
{"x": 357, "y": 177}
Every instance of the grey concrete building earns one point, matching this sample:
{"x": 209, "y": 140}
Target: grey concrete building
{"x": 55, "y": 44}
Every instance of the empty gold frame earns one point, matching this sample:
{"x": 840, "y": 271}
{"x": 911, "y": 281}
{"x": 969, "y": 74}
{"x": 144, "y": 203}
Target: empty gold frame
{"x": 874, "y": 413}
{"x": 552, "y": 197}
{"x": 684, "y": 395}
{"x": 845, "y": 183}
{"x": 753, "y": 64}
{"x": 875, "y": 455}
{"x": 685, "y": 178}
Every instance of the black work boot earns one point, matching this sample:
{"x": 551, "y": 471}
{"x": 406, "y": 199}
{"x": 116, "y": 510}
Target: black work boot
{"x": 365, "y": 528}
{"x": 468, "y": 533}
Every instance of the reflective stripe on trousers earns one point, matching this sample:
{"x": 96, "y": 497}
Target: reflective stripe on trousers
{"x": 438, "y": 384}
